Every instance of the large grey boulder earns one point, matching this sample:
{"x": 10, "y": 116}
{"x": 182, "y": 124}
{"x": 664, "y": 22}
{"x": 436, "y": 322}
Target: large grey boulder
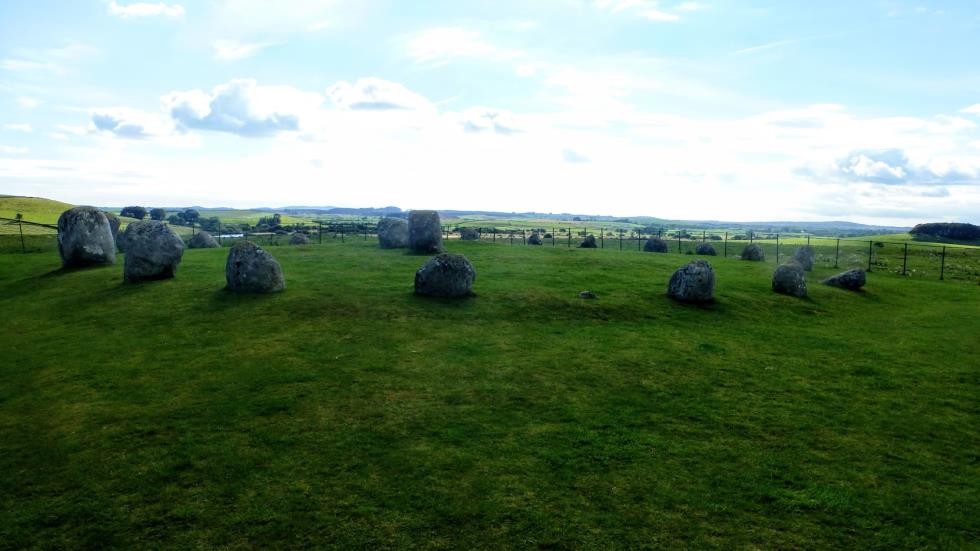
{"x": 469, "y": 234}
{"x": 392, "y": 233}
{"x": 851, "y": 279}
{"x": 804, "y": 257}
{"x": 693, "y": 282}
{"x": 788, "y": 279}
{"x": 250, "y": 269}
{"x": 424, "y": 232}
{"x": 153, "y": 251}
{"x": 705, "y": 249}
{"x": 114, "y": 224}
{"x": 445, "y": 275}
{"x": 754, "y": 253}
{"x": 588, "y": 242}
{"x": 655, "y": 245}
{"x": 535, "y": 239}
{"x": 202, "y": 240}
{"x": 85, "y": 238}
{"x": 299, "y": 239}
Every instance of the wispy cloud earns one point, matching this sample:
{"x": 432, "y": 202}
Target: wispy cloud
{"x": 18, "y": 127}
{"x": 11, "y": 150}
{"x": 28, "y": 65}
{"x": 764, "y": 47}
{"x": 146, "y": 9}
{"x": 440, "y": 45}
{"x": 27, "y": 102}
{"x": 648, "y": 9}
{"x": 973, "y": 109}
{"x": 233, "y": 49}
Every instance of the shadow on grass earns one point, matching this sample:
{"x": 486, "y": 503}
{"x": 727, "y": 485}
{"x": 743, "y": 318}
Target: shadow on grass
{"x": 63, "y": 271}
{"x": 225, "y": 299}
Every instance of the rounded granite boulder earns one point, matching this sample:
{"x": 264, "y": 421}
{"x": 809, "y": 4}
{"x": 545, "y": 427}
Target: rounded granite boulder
{"x": 804, "y": 257}
{"x": 392, "y": 233}
{"x": 424, "y": 232}
{"x": 250, "y": 269}
{"x": 693, "y": 282}
{"x": 469, "y": 234}
{"x": 705, "y": 249}
{"x": 85, "y": 238}
{"x": 655, "y": 245}
{"x": 153, "y": 251}
{"x": 851, "y": 279}
{"x": 445, "y": 275}
{"x": 299, "y": 239}
{"x": 754, "y": 253}
{"x": 535, "y": 239}
{"x": 202, "y": 240}
{"x": 788, "y": 279}
{"x": 588, "y": 242}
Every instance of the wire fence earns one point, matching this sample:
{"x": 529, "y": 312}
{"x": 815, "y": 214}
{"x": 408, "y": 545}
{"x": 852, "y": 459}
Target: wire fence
{"x": 908, "y": 259}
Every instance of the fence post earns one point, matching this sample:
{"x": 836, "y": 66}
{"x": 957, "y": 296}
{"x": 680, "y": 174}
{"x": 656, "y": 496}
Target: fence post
{"x": 726, "y": 244}
{"x": 524, "y": 235}
{"x": 20, "y": 226}
{"x": 639, "y": 236}
{"x": 552, "y": 237}
{"x": 341, "y": 232}
{"x": 569, "y": 238}
{"x": 837, "y": 254}
{"x": 620, "y": 239}
{"x": 905, "y": 260}
{"x": 319, "y": 231}
{"x": 511, "y": 237}
{"x": 192, "y": 228}
{"x": 678, "y": 244}
{"x": 219, "y": 232}
{"x": 942, "y": 267}
{"x": 751, "y": 236}
{"x": 602, "y": 238}
{"x": 871, "y": 244}
{"x": 808, "y": 240}
{"x": 777, "y": 249}
{"x": 704, "y": 235}
{"x": 494, "y": 230}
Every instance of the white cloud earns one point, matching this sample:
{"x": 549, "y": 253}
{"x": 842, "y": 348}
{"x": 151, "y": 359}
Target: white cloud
{"x": 973, "y": 109}
{"x": 19, "y": 127}
{"x": 375, "y": 94}
{"x": 764, "y": 47}
{"x": 27, "y": 102}
{"x": 483, "y": 119}
{"x": 657, "y": 15}
{"x": 320, "y": 25}
{"x": 133, "y": 124}
{"x": 648, "y": 9}
{"x": 243, "y": 107}
{"x": 440, "y": 45}
{"x": 11, "y": 150}
{"x": 689, "y": 7}
{"x": 27, "y": 65}
{"x": 233, "y": 49}
{"x": 145, "y": 9}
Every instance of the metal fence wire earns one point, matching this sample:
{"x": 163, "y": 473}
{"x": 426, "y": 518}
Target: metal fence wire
{"x": 908, "y": 259}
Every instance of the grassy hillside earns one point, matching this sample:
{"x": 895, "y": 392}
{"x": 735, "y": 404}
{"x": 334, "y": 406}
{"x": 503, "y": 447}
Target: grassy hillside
{"x": 346, "y": 411}
{"x": 34, "y": 209}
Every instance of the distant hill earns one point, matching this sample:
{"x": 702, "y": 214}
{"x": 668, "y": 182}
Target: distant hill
{"x": 947, "y": 232}
{"x": 34, "y": 209}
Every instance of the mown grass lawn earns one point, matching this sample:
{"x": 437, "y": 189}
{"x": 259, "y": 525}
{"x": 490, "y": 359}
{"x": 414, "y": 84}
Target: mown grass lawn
{"x": 346, "y": 412}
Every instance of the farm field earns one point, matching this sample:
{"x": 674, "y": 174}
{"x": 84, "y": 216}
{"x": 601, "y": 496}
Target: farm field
{"x": 346, "y": 412}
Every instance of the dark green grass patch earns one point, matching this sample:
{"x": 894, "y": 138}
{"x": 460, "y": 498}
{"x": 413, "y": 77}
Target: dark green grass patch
{"x": 347, "y": 412}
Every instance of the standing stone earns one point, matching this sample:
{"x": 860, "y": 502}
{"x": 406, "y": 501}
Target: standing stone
{"x": 153, "y": 251}
{"x": 85, "y": 238}
{"x": 392, "y": 233}
{"x": 535, "y": 239}
{"x": 693, "y": 282}
{"x": 445, "y": 275}
{"x": 424, "y": 232}
{"x": 851, "y": 279}
{"x": 804, "y": 256}
{"x": 469, "y": 234}
{"x": 753, "y": 253}
{"x": 252, "y": 270}
{"x": 202, "y": 240}
{"x": 299, "y": 239}
{"x": 588, "y": 242}
{"x": 114, "y": 224}
{"x": 705, "y": 249}
{"x": 788, "y": 279}
{"x": 655, "y": 245}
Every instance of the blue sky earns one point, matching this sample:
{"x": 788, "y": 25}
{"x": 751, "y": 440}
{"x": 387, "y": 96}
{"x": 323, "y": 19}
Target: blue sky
{"x": 864, "y": 111}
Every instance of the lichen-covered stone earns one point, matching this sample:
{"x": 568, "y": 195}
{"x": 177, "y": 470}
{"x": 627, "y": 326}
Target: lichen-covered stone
{"x": 202, "y": 240}
{"x": 705, "y": 249}
{"x": 588, "y": 242}
{"x": 788, "y": 279}
{"x": 153, "y": 251}
{"x": 250, "y": 269}
{"x": 299, "y": 239}
{"x": 655, "y": 245}
{"x": 851, "y": 279}
{"x": 424, "y": 232}
{"x": 804, "y": 257}
{"x": 392, "y": 233}
{"x": 754, "y": 253}
{"x": 85, "y": 238}
{"x": 445, "y": 275}
{"x": 693, "y": 282}
{"x": 535, "y": 239}
{"x": 469, "y": 234}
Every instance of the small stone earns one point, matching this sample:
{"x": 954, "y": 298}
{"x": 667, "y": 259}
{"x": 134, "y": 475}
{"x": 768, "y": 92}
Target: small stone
{"x": 469, "y": 234}
{"x": 587, "y": 295}
{"x": 754, "y": 253}
{"x": 655, "y": 245}
{"x": 851, "y": 279}
{"x": 705, "y": 249}
{"x": 588, "y": 242}
{"x": 535, "y": 239}
{"x": 299, "y": 239}
{"x": 202, "y": 240}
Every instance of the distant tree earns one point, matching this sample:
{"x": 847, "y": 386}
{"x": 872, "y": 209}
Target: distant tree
{"x": 191, "y": 216}
{"x": 158, "y": 214}
{"x": 176, "y": 219}
{"x": 138, "y": 213}
{"x": 952, "y": 230}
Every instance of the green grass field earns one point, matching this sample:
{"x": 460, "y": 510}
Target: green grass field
{"x": 348, "y": 413}
{"x": 34, "y": 209}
